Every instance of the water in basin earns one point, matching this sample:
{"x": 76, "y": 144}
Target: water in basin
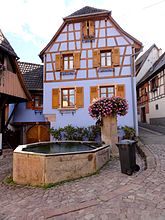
{"x": 59, "y": 147}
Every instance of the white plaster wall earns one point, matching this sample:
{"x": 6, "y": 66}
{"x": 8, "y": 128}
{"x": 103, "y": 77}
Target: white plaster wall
{"x": 153, "y": 56}
{"x": 157, "y": 113}
{"x": 148, "y": 118}
{"x": 139, "y": 117}
{"x": 81, "y": 117}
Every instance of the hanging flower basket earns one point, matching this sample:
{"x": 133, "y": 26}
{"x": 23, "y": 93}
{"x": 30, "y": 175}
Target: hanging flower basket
{"x": 112, "y": 106}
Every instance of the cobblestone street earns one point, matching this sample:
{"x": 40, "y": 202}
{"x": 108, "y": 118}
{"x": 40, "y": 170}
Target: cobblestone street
{"x": 109, "y": 195}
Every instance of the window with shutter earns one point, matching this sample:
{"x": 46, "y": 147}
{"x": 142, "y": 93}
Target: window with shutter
{"x": 68, "y": 97}
{"x": 38, "y": 102}
{"x": 29, "y": 104}
{"x": 67, "y": 62}
{"x": 93, "y": 93}
{"x": 55, "y": 98}
{"x": 107, "y": 91}
{"x": 79, "y": 97}
{"x": 116, "y": 56}
{"x": 88, "y": 30}
{"x": 120, "y": 91}
{"x": 106, "y": 58}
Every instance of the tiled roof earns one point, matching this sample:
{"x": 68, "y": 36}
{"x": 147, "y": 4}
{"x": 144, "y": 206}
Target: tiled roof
{"x": 27, "y": 67}
{"x": 86, "y": 11}
{"x": 32, "y": 74}
{"x": 157, "y": 67}
{"x": 34, "y": 79}
{"x": 5, "y": 45}
{"x": 142, "y": 59}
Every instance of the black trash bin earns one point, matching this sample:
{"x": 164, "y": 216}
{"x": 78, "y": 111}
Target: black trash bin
{"x": 127, "y": 156}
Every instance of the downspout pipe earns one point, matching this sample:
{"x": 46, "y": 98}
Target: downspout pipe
{"x": 133, "y": 86}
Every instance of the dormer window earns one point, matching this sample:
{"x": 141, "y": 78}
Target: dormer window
{"x": 88, "y": 30}
{"x": 154, "y": 84}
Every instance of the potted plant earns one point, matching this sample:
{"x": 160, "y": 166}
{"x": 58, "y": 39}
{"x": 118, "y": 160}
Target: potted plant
{"x": 105, "y": 110}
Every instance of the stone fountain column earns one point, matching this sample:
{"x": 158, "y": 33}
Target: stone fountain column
{"x": 109, "y": 133}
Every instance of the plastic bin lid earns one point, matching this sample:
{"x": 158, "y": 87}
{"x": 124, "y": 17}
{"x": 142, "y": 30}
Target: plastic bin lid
{"x": 127, "y": 141}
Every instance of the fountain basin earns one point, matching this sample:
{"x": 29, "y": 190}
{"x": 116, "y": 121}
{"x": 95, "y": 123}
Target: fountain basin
{"x": 46, "y": 162}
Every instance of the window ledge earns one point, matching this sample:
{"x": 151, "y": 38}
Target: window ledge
{"x": 70, "y": 71}
{"x": 67, "y": 110}
{"x": 105, "y": 69}
{"x": 67, "y": 73}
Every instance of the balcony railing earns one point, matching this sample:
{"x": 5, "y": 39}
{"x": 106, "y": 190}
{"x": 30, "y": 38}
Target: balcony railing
{"x": 10, "y": 84}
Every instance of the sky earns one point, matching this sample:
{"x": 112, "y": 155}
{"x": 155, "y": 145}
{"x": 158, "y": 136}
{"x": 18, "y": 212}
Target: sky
{"x": 30, "y": 24}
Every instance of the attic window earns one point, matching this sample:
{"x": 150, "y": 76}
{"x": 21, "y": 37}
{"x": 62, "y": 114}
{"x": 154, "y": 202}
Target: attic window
{"x": 154, "y": 84}
{"x": 88, "y": 30}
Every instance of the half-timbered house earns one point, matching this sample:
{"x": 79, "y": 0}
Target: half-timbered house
{"x": 90, "y": 56}
{"x": 12, "y": 87}
{"x": 154, "y": 80}
{"x": 143, "y": 65}
{"x": 145, "y": 61}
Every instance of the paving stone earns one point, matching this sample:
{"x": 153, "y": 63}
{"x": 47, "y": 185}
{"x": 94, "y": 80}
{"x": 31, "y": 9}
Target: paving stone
{"x": 108, "y": 195}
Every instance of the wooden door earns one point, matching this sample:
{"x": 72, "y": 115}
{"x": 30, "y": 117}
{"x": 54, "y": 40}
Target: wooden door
{"x": 143, "y": 115}
{"x": 37, "y": 133}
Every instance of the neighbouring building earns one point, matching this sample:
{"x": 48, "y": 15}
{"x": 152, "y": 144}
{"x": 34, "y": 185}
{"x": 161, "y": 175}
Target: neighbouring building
{"x": 90, "y": 56}
{"x": 151, "y": 89}
{"x": 28, "y": 117}
{"x": 143, "y": 64}
{"x": 12, "y": 87}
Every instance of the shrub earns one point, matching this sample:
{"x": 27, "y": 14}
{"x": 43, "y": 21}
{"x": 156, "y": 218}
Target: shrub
{"x": 91, "y": 133}
{"x": 129, "y": 132}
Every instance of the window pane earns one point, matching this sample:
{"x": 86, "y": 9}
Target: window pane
{"x": 103, "y": 90}
{"x": 108, "y": 54}
{"x": 71, "y": 101}
{"x": 71, "y": 64}
{"x": 102, "y": 54}
{"x": 65, "y": 92}
{"x": 65, "y": 104}
{"x": 108, "y": 61}
{"x": 110, "y": 89}
{"x": 71, "y": 91}
{"x": 36, "y": 101}
{"x": 110, "y": 94}
{"x": 102, "y": 61}
{"x": 41, "y": 101}
{"x": 103, "y": 95}
{"x": 65, "y": 65}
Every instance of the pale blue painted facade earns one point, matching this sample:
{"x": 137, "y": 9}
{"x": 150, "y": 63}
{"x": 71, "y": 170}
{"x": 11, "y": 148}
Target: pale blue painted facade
{"x": 24, "y": 114}
{"x": 107, "y": 35}
{"x": 81, "y": 116}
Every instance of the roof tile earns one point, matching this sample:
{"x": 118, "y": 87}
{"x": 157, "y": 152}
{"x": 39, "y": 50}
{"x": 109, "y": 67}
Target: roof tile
{"x": 5, "y": 45}
{"x": 86, "y": 10}
{"x": 32, "y": 74}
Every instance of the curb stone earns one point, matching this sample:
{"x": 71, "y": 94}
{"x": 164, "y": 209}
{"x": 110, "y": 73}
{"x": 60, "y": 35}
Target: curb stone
{"x": 150, "y": 160}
